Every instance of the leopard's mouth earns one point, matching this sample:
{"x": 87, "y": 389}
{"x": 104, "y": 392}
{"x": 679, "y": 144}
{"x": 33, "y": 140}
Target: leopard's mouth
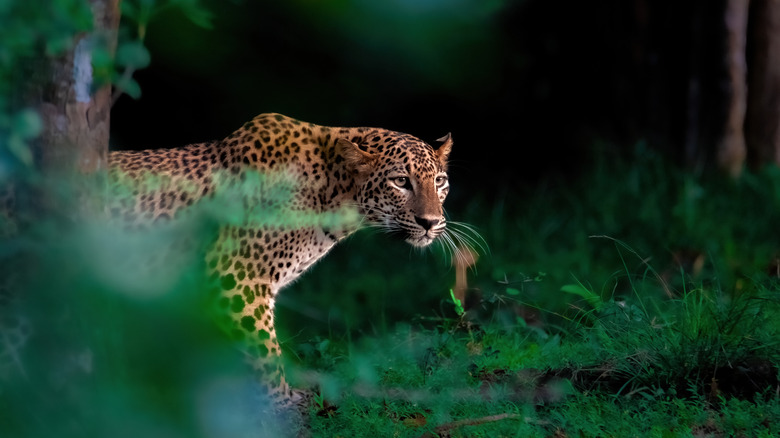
{"x": 422, "y": 238}
{"x": 416, "y": 238}
{"x": 420, "y": 242}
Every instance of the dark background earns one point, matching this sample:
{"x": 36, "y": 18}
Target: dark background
{"x": 528, "y": 88}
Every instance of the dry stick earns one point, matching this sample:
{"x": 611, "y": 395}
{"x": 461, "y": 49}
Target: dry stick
{"x": 474, "y": 422}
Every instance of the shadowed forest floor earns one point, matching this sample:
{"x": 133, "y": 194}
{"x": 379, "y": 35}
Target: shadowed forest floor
{"x": 635, "y": 300}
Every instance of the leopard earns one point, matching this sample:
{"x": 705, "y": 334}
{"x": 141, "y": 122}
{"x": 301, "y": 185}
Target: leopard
{"x": 393, "y": 181}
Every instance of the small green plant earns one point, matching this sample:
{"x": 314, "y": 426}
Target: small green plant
{"x": 593, "y": 299}
{"x": 458, "y": 305}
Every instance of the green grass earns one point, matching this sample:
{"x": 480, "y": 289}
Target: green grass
{"x": 633, "y": 300}
{"x": 639, "y": 290}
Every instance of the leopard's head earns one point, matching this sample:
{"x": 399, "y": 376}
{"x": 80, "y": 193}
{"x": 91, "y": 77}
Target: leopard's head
{"x": 402, "y": 183}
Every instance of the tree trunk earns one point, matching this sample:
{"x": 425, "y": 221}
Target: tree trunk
{"x": 763, "y": 112}
{"x": 731, "y": 147}
{"x": 75, "y": 115}
{"x": 692, "y": 148}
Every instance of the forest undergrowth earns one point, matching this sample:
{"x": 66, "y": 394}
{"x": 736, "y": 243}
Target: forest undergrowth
{"x": 636, "y": 299}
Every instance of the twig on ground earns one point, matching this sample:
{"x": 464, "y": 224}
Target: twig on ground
{"x": 444, "y": 429}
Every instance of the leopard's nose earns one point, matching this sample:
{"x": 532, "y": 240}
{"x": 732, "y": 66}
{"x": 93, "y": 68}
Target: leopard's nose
{"x": 427, "y": 224}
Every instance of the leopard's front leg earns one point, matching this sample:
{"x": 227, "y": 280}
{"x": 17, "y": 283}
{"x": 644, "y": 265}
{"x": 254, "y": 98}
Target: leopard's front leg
{"x": 247, "y": 298}
{"x": 264, "y": 352}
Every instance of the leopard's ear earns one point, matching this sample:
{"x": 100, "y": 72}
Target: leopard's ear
{"x": 443, "y": 153}
{"x": 358, "y": 160}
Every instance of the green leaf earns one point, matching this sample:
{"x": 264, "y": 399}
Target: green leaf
{"x": 102, "y": 65}
{"x": 20, "y": 149}
{"x": 577, "y": 289}
{"x": 458, "y": 305}
{"x": 199, "y": 16}
{"x": 27, "y": 124}
{"x": 129, "y": 11}
{"x": 330, "y": 387}
{"x": 134, "y": 55}
{"x": 58, "y": 44}
{"x": 512, "y": 291}
{"x": 129, "y": 86}
{"x": 102, "y": 58}
{"x": 195, "y": 12}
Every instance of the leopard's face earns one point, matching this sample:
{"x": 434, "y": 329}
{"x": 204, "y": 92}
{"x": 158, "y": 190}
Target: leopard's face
{"x": 403, "y": 187}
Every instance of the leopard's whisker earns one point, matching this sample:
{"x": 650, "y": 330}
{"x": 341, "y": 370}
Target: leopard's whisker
{"x": 469, "y": 237}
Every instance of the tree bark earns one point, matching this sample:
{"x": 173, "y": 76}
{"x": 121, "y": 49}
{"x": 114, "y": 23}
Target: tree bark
{"x": 76, "y": 116}
{"x": 763, "y": 111}
{"x": 731, "y": 147}
{"x": 692, "y": 148}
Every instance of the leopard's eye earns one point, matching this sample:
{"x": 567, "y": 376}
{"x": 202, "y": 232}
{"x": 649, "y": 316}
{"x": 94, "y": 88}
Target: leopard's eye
{"x": 441, "y": 180}
{"x": 402, "y": 182}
